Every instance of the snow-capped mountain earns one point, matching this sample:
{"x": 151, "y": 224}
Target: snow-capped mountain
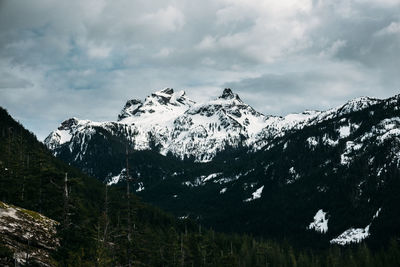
{"x": 323, "y": 175}
{"x": 279, "y": 126}
{"x": 332, "y": 177}
{"x": 172, "y": 123}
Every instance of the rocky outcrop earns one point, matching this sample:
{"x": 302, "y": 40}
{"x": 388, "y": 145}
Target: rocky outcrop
{"x": 27, "y": 236}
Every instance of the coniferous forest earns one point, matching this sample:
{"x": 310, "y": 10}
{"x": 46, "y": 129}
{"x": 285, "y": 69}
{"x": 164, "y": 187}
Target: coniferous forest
{"x": 171, "y": 133}
{"x": 109, "y": 226}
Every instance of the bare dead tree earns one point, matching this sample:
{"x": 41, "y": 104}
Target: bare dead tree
{"x": 66, "y": 202}
{"x": 106, "y": 219}
{"x": 128, "y": 180}
{"x": 182, "y": 252}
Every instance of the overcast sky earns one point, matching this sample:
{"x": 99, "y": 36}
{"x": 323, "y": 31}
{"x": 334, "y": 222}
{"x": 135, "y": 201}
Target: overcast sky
{"x": 79, "y": 58}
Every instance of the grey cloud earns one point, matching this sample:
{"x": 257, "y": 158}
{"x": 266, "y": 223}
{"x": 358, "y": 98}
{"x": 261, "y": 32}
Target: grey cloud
{"x": 11, "y": 81}
{"x": 292, "y": 92}
{"x": 85, "y": 58}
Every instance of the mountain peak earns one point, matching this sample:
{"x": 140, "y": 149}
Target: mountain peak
{"x": 228, "y": 94}
{"x": 130, "y": 109}
{"x": 67, "y": 124}
{"x": 358, "y": 104}
{"x": 169, "y": 96}
{"x": 148, "y": 112}
{"x": 168, "y": 91}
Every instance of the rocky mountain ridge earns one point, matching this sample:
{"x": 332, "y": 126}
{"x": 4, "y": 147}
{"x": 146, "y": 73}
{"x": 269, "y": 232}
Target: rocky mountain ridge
{"x": 272, "y": 176}
{"x": 170, "y": 122}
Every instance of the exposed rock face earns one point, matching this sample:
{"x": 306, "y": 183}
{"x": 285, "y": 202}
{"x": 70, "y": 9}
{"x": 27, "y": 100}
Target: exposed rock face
{"x": 278, "y": 173}
{"x": 30, "y": 236}
{"x": 130, "y": 109}
{"x": 173, "y": 123}
{"x": 168, "y": 122}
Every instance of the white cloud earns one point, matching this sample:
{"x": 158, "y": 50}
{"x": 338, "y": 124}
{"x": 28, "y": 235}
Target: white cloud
{"x": 98, "y": 51}
{"x": 382, "y": 3}
{"x": 392, "y": 28}
{"x": 334, "y": 48}
{"x": 164, "y": 52}
{"x": 207, "y": 43}
{"x": 166, "y": 19}
{"x": 86, "y": 58}
{"x": 274, "y": 29}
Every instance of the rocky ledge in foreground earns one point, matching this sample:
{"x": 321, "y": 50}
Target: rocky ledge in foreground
{"x": 26, "y": 237}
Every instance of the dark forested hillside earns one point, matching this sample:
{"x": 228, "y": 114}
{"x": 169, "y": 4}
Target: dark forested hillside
{"x": 236, "y": 170}
{"x": 103, "y": 226}
{"x": 343, "y": 164}
{"x": 347, "y": 167}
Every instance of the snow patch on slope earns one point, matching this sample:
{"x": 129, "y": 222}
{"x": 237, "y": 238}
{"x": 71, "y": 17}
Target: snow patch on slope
{"x": 294, "y": 176}
{"x": 200, "y": 181}
{"x": 255, "y": 195}
{"x": 312, "y": 141}
{"x": 140, "y": 187}
{"x": 386, "y": 129}
{"x": 354, "y": 235}
{"x": 344, "y": 131}
{"x": 65, "y": 136}
{"x": 320, "y": 223}
{"x": 115, "y": 179}
{"x": 326, "y": 140}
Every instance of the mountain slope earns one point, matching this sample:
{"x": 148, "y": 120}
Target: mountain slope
{"x": 270, "y": 175}
{"x": 94, "y": 230}
{"x": 169, "y": 122}
{"x": 347, "y": 167}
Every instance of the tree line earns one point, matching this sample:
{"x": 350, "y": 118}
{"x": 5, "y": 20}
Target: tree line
{"x": 108, "y": 226}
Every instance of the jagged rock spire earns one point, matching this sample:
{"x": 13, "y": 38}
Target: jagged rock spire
{"x": 131, "y": 107}
{"x": 228, "y": 94}
{"x": 168, "y": 91}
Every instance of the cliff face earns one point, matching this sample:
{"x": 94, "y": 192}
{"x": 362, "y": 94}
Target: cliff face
{"x": 26, "y": 237}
